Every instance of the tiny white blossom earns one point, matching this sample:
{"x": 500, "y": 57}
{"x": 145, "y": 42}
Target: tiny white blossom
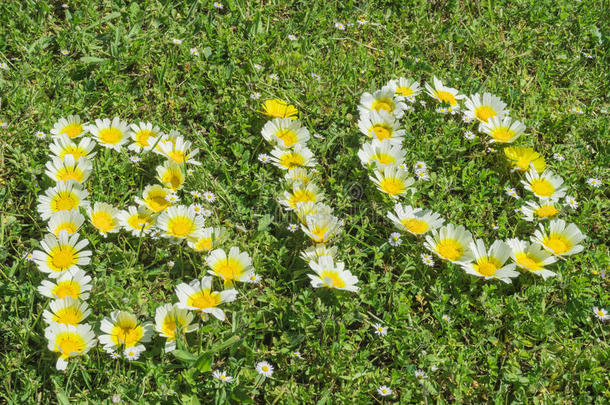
{"x": 577, "y": 110}
{"x": 206, "y": 212}
{"x": 264, "y": 158}
{"x": 209, "y": 196}
{"x": 255, "y": 95}
{"x": 384, "y": 391}
{"x": 258, "y": 67}
{"x": 601, "y": 314}
{"x": 29, "y": 256}
{"x": 190, "y": 172}
{"x": 394, "y": 239}
{"x": 65, "y": 52}
{"x": 587, "y": 55}
{"x": 315, "y": 76}
{"x": 420, "y": 165}
{"x": 134, "y": 159}
{"x": 273, "y": 76}
{"x": 222, "y": 376}
{"x": 339, "y": 26}
{"x": 172, "y": 197}
{"x": 264, "y": 368}
{"x": 603, "y": 110}
{"x": 318, "y": 136}
{"x": 40, "y": 135}
{"x": 197, "y": 208}
{"x": 380, "y": 330}
{"x": 254, "y": 279}
{"x": 194, "y": 52}
{"x": 419, "y": 374}
{"x": 115, "y": 355}
{"x": 296, "y": 355}
{"x": 422, "y": 102}
{"x": 292, "y": 37}
{"x": 177, "y": 41}
{"x": 593, "y": 182}
{"x": 218, "y": 5}
{"x": 171, "y": 264}
{"x": 469, "y": 135}
{"x": 466, "y": 119}
{"x": 116, "y": 398}
{"x": 441, "y": 110}
{"x": 422, "y": 174}
{"x": 433, "y": 368}
{"x": 445, "y": 318}
{"x": 427, "y": 259}
{"x": 410, "y": 99}
{"x": 196, "y": 194}
{"x": 292, "y": 227}
{"x": 558, "y": 156}
{"x": 361, "y": 21}
{"x": 571, "y": 202}
{"x": 131, "y": 354}
{"x": 3, "y": 66}
{"x": 510, "y": 191}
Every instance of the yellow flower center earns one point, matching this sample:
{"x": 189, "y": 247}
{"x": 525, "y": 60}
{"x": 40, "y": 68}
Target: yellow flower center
{"x": 557, "y": 243}
{"x": 72, "y": 130}
{"x": 301, "y": 195}
{"x": 173, "y": 179}
{"x": 445, "y": 97}
{"x": 176, "y": 155}
{"x": 450, "y": 249}
{"x": 204, "y": 244}
{"x": 137, "y": 221}
{"x": 320, "y": 233}
{"x": 484, "y": 113}
{"x": 546, "y": 211}
{"x": 229, "y": 269}
{"x": 170, "y": 324}
{"x": 63, "y": 201}
{"x": 74, "y": 151}
{"x": 601, "y": 313}
{"x": 487, "y": 266}
{"x": 65, "y": 289}
{"x": 528, "y": 262}
{"x": 331, "y": 279}
{"x": 62, "y": 257}
{"x": 110, "y": 136}
{"x": 383, "y": 104}
{"x": 180, "y": 226}
{"x": 204, "y": 299}
{"x": 416, "y": 226}
{"x": 381, "y": 131}
{"x": 142, "y": 137}
{"x": 69, "y": 342}
{"x": 502, "y": 134}
{"x": 288, "y": 136}
{"x": 404, "y": 91}
{"x": 542, "y": 187}
{"x": 126, "y": 333}
{"x": 384, "y": 158}
{"x": 70, "y": 173}
{"x": 291, "y": 160}
{"x": 68, "y": 315}
{"x": 156, "y": 200}
{"x": 103, "y": 221}
{"x": 392, "y": 186}
{"x": 69, "y": 227}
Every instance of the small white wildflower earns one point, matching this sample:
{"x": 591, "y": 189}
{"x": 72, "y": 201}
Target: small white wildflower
{"x": 171, "y": 264}
{"x": 384, "y": 391}
{"x": 510, "y": 191}
{"x": 601, "y": 314}
{"x": 427, "y": 260}
{"x": 445, "y": 318}
{"x": 218, "y": 5}
{"x": 209, "y": 196}
{"x": 577, "y": 110}
{"x": 495, "y": 227}
{"x": 254, "y": 279}
{"x": 114, "y": 355}
{"x": 558, "y": 156}
{"x": 571, "y": 202}
{"x": 134, "y": 159}
{"x": 433, "y": 368}
{"x": 65, "y": 52}
{"x": 419, "y": 374}
{"x": 206, "y": 213}
{"x": 466, "y": 119}
{"x": 258, "y": 67}
{"x": 394, "y": 239}
{"x": 194, "y": 52}
{"x": 587, "y": 55}
{"x": 131, "y": 354}
{"x": 40, "y": 135}
{"x": 422, "y": 102}
{"x": 196, "y": 194}
{"x": 420, "y": 165}
{"x": 273, "y": 76}
{"x": 380, "y": 330}
{"x": 422, "y": 174}
{"x": 318, "y": 136}
{"x": 255, "y": 95}
{"x": 264, "y": 158}
{"x": 441, "y": 110}
{"x": 469, "y": 135}
{"x": 177, "y": 41}
{"x": 603, "y": 110}
{"x": 361, "y": 21}
{"x": 264, "y": 368}
{"x": 339, "y": 26}
{"x": 222, "y": 376}
{"x": 315, "y": 76}
{"x": 29, "y": 256}
{"x": 593, "y": 182}
{"x": 292, "y": 227}
{"x": 292, "y": 37}
{"x": 296, "y": 355}
{"x": 197, "y": 208}
{"x": 172, "y": 197}
{"x": 3, "y": 66}
{"x": 64, "y": 5}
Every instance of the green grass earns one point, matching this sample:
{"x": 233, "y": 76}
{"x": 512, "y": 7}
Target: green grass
{"x": 531, "y": 342}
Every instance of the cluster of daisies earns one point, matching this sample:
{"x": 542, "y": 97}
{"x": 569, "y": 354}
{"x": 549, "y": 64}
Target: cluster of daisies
{"x": 303, "y": 197}
{"x": 384, "y": 155}
{"x": 157, "y": 214}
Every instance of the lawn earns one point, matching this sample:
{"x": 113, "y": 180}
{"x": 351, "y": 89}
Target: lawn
{"x": 204, "y": 70}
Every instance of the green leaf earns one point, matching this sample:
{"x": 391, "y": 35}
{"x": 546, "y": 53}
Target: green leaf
{"x": 185, "y": 356}
{"x": 92, "y": 59}
{"x": 204, "y": 362}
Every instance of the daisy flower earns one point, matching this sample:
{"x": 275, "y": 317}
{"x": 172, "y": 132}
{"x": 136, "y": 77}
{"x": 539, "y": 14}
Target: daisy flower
{"x": 306, "y": 208}
{"x": 104, "y": 218}
{"x": 421, "y": 174}
{"x": 132, "y": 353}
{"x": 446, "y": 318}
{"x": 382, "y": 100}
{"x": 450, "y": 243}
{"x": 110, "y": 134}
{"x": 277, "y": 108}
{"x": 254, "y": 279}
{"x": 29, "y": 256}
{"x": 115, "y": 356}
{"x": 209, "y": 196}
{"x": 340, "y": 26}
{"x": 420, "y": 374}
{"x": 546, "y": 209}
{"x": 571, "y": 202}
{"x": 484, "y": 107}
{"x": 134, "y": 159}
{"x": 198, "y": 296}
{"x": 61, "y": 253}
{"x": 172, "y": 197}
{"x": 469, "y": 135}
{"x": 171, "y": 322}
{"x": 561, "y": 240}
{"x": 490, "y": 264}
{"x": 443, "y": 94}
{"x": 71, "y": 126}
{"x": 296, "y": 355}
{"x": 65, "y": 52}
{"x": 297, "y": 175}
{"x": 72, "y": 284}
{"x": 285, "y": 132}
{"x": 420, "y": 165}
{"x": 68, "y": 169}
{"x": 331, "y": 274}
{"x": 137, "y": 220}
{"x": 315, "y": 76}
{"x": 382, "y": 153}
{"x": 502, "y": 130}
{"x": 394, "y": 239}
{"x": 154, "y": 198}
{"x": 264, "y": 158}
{"x": 179, "y": 223}
{"x": 62, "y": 146}
{"x": 393, "y": 181}
{"x": 427, "y": 260}
{"x": 558, "y": 157}
{"x": 321, "y": 228}
{"x": 69, "y": 311}
{"x": 414, "y": 220}
{"x": 545, "y": 185}
{"x": 235, "y": 266}
{"x": 176, "y": 41}
{"x": 171, "y": 175}
{"x": 301, "y": 193}
{"x": 264, "y": 368}
{"x": 577, "y": 110}
{"x": 601, "y": 314}
{"x": 406, "y": 87}
{"x": 218, "y": 5}
{"x": 3, "y": 66}
{"x": 292, "y": 37}
{"x": 381, "y": 125}
{"x": 65, "y": 196}
{"x": 179, "y": 151}
{"x": 40, "y": 135}
{"x": 286, "y": 159}
{"x": 466, "y": 119}
{"x": 511, "y": 192}
{"x": 206, "y": 212}
{"x": 69, "y": 341}
{"x": 317, "y": 251}
{"x": 273, "y": 76}
{"x": 522, "y": 158}
{"x": 144, "y": 136}
{"x": 384, "y": 391}
{"x": 380, "y": 330}
{"x": 593, "y": 182}
{"x": 292, "y": 227}
{"x": 69, "y": 221}
{"x": 531, "y": 257}
{"x": 194, "y": 52}
{"x": 195, "y": 194}
{"x": 222, "y": 376}
{"x": 255, "y": 95}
